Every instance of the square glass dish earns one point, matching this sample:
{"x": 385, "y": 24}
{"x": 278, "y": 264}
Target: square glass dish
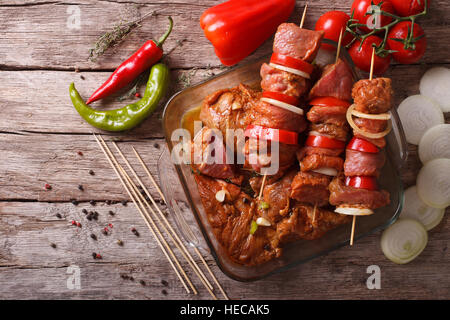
{"x": 185, "y": 205}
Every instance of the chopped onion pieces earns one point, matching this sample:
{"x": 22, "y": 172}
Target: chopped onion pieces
{"x": 353, "y": 211}
{"x": 263, "y": 222}
{"x": 403, "y": 241}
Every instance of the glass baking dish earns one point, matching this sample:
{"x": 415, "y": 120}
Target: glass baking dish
{"x": 185, "y": 205}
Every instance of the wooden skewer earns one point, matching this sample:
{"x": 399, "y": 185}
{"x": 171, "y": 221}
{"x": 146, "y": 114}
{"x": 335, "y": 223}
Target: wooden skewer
{"x": 172, "y": 234}
{"x": 338, "y": 53}
{"x": 165, "y": 248}
{"x": 262, "y": 187}
{"x": 314, "y": 213}
{"x": 303, "y": 16}
{"x": 170, "y": 227}
{"x": 371, "y": 78}
{"x": 149, "y": 175}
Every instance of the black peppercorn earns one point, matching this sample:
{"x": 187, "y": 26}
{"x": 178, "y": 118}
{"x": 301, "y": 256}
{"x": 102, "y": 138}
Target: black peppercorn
{"x": 58, "y": 215}
{"x": 111, "y": 213}
{"x": 74, "y": 202}
{"x": 164, "y": 283}
{"x": 164, "y": 292}
{"x": 53, "y": 245}
{"x": 142, "y": 282}
{"x": 84, "y": 211}
{"x": 80, "y": 187}
{"x": 124, "y": 203}
{"x": 92, "y": 202}
{"x": 108, "y": 202}
{"x": 94, "y": 255}
{"x": 91, "y": 172}
{"x": 93, "y": 236}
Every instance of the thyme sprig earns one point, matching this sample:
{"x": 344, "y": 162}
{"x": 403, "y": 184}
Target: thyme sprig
{"x": 409, "y": 42}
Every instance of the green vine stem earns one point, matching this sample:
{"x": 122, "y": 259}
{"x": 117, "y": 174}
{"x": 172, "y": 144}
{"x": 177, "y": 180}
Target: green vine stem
{"x": 381, "y": 50}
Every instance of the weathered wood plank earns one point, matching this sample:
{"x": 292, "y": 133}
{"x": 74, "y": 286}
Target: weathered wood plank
{"x": 30, "y": 268}
{"x": 37, "y": 36}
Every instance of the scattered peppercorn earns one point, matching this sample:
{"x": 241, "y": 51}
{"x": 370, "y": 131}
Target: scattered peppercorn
{"x": 105, "y": 232}
{"x": 156, "y": 145}
{"x": 80, "y": 187}
{"x": 95, "y": 215}
{"x": 131, "y": 278}
{"x": 93, "y": 236}
{"x": 142, "y": 282}
{"x": 53, "y": 245}
{"x": 58, "y": 215}
{"x": 164, "y": 292}
{"x": 98, "y": 256}
{"x": 82, "y": 77}
{"x": 92, "y": 202}
{"x": 91, "y": 172}
{"x": 120, "y": 243}
{"x": 136, "y": 233}
{"x": 124, "y": 203}
{"x": 74, "y": 202}
{"x": 94, "y": 255}
{"x": 108, "y": 202}
{"x": 80, "y": 153}
{"x": 89, "y": 217}
{"x": 164, "y": 283}
{"x": 84, "y": 211}
{"x": 111, "y": 213}
{"x": 124, "y": 276}
{"x": 48, "y": 187}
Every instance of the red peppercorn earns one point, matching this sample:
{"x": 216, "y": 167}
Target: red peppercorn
{"x": 138, "y": 95}
{"x": 78, "y": 225}
{"x": 80, "y": 153}
{"x": 110, "y": 225}
{"x": 48, "y": 187}
{"x": 74, "y": 222}
{"x": 98, "y": 256}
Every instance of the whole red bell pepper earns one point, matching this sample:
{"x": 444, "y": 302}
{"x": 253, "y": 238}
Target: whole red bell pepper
{"x": 236, "y": 28}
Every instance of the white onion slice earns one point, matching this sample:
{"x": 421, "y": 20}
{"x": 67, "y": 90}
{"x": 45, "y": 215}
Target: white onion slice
{"x": 418, "y": 114}
{"x": 433, "y": 183}
{"x": 381, "y": 116}
{"x": 220, "y": 195}
{"x": 353, "y": 211}
{"x": 369, "y": 135}
{"x": 263, "y": 222}
{"x": 403, "y": 241}
{"x": 283, "y": 105}
{"x": 414, "y": 208}
{"x": 290, "y": 70}
{"x": 326, "y": 171}
{"x": 318, "y": 134}
{"x": 435, "y": 84}
{"x": 435, "y": 143}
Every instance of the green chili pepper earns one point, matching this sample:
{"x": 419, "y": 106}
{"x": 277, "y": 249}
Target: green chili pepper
{"x": 264, "y": 205}
{"x": 131, "y": 115}
{"x": 253, "y": 227}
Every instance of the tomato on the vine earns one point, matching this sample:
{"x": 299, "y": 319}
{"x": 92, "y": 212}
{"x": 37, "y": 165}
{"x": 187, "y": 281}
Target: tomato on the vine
{"x": 332, "y": 22}
{"x": 406, "y": 8}
{"x": 410, "y": 52}
{"x": 362, "y": 57}
{"x": 360, "y": 8}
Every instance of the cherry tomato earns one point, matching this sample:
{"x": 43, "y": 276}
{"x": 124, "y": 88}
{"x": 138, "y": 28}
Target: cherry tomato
{"x": 362, "y": 145}
{"x": 363, "y": 57}
{"x": 361, "y": 182}
{"x": 406, "y": 8}
{"x": 415, "y": 51}
{"x": 361, "y": 7}
{"x": 332, "y": 22}
{"x": 329, "y": 102}
{"x": 263, "y": 133}
{"x": 324, "y": 142}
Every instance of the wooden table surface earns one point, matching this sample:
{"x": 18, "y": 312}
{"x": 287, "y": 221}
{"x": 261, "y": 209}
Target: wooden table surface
{"x": 41, "y": 133}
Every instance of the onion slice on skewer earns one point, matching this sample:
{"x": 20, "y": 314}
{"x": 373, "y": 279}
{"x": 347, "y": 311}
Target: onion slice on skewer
{"x": 433, "y": 183}
{"x": 404, "y": 241}
{"x": 284, "y": 105}
{"x": 418, "y": 114}
{"x": 290, "y": 70}
{"x": 435, "y": 85}
{"x": 435, "y": 143}
{"x": 381, "y": 116}
{"x": 353, "y": 211}
{"x": 362, "y": 132}
{"x": 326, "y": 171}
{"x": 414, "y": 208}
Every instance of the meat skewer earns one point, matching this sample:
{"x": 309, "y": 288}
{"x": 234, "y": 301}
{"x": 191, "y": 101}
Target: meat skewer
{"x": 358, "y": 195}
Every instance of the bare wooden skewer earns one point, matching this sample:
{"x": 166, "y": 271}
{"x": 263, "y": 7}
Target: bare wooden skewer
{"x": 170, "y": 227}
{"x": 172, "y": 234}
{"x": 142, "y": 200}
{"x": 371, "y": 78}
{"x": 161, "y": 242}
{"x": 149, "y": 175}
{"x": 304, "y": 15}
{"x": 338, "y": 53}
{"x": 262, "y": 186}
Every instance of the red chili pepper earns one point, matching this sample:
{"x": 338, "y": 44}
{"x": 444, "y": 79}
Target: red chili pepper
{"x": 236, "y": 28}
{"x": 150, "y": 53}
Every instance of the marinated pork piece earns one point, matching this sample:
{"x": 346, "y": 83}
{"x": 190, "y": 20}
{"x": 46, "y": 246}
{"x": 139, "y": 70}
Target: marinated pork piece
{"x": 311, "y": 187}
{"x": 332, "y": 115}
{"x": 270, "y": 116}
{"x": 296, "y": 42}
{"x": 330, "y": 130}
{"x": 317, "y": 161}
{"x": 336, "y": 81}
{"x": 229, "y": 108}
{"x": 308, "y": 223}
{"x": 373, "y": 96}
{"x": 276, "y": 80}
{"x": 359, "y": 163}
{"x": 371, "y": 126}
{"x": 342, "y": 194}
{"x": 209, "y": 155}
{"x": 307, "y": 151}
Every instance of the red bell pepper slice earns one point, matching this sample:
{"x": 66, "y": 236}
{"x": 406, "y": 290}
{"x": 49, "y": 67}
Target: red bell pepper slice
{"x": 293, "y": 63}
{"x": 361, "y": 182}
{"x": 362, "y": 145}
{"x": 324, "y": 142}
{"x": 329, "y": 102}
{"x": 236, "y": 28}
{"x": 263, "y": 133}
{"x": 281, "y": 97}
